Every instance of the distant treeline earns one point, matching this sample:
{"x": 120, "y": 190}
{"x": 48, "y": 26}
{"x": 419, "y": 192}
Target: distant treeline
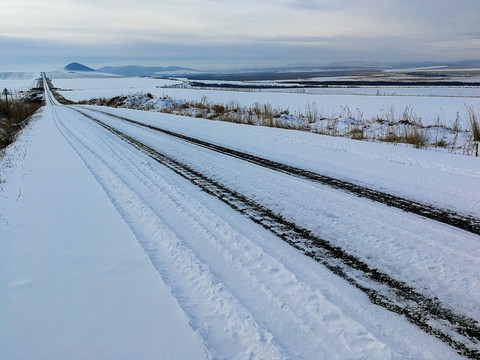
{"x": 333, "y": 83}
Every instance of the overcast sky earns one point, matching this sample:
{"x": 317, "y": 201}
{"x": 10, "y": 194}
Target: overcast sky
{"x": 45, "y": 35}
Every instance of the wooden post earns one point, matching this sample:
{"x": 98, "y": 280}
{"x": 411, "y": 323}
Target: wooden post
{"x": 5, "y": 92}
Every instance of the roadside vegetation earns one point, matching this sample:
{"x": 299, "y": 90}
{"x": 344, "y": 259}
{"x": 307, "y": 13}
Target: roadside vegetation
{"x": 474, "y": 128}
{"x": 15, "y": 114}
{"x": 61, "y": 99}
{"x": 460, "y": 135}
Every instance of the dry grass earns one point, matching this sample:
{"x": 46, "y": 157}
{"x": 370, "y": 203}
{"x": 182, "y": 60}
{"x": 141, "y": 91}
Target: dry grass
{"x": 17, "y": 116}
{"x": 412, "y": 135}
{"x": 356, "y": 133}
{"x": 474, "y": 124}
{"x": 61, "y": 99}
{"x": 388, "y": 126}
{"x": 474, "y": 128}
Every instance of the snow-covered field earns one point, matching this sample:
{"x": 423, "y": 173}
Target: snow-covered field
{"x": 435, "y": 118}
{"x": 445, "y": 103}
{"x": 105, "y": 253}
{"x": 367, "y": 102}
{"x": 15, "y": 85}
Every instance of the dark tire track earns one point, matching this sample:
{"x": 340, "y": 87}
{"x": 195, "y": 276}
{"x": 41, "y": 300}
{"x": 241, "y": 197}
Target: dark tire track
{"x": 449, "y": 217}
{"x": 460, "y": 332}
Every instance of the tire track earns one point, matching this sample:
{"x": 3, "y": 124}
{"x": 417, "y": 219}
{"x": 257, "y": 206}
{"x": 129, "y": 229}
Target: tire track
{"x": 449, "y": 217}
{"x": 460, "y": 332}
{"x": 186, "y": 275}
{"x": 249, "y": 270}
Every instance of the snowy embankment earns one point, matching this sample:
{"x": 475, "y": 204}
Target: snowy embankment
{"x": 108, "y": 254}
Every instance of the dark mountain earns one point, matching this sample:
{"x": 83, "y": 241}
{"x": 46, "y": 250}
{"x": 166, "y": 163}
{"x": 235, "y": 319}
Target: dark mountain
{"x": 77, "y": 67}
{"x": 135, "y": 70}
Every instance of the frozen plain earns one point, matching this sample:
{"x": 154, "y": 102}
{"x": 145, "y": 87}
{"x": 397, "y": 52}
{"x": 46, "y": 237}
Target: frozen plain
{"x": 427, "y": 103}
{"x": 120, "y": 263}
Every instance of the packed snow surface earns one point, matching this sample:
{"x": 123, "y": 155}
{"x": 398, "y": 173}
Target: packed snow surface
{"x": 107, "y": 254}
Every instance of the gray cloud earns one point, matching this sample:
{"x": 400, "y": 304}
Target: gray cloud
{"x": 318, "y": 5}
{"x": 206, "y": 33}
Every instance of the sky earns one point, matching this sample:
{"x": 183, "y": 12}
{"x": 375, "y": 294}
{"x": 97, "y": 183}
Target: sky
{"x": 45, "y": 35}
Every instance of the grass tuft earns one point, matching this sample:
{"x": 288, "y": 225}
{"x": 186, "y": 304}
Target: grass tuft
{"x": 474, "y": 124}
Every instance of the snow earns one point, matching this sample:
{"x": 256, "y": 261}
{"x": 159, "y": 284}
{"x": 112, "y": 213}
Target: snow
{"x": 116, "y": 86}
{"x": 15, "y": 76}
{"x": 14, "y": 85}
{"x": 431, "y": 179}
{"x": 73, "y": 283}
{"x": 366, "y": 102}
{"x": 446, "y": 180}
{"x": 65, "y": 74}
{"x": 107, "y": 254}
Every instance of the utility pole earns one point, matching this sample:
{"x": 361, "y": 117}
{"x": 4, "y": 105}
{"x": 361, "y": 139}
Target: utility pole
{"x": 5, "y": 92}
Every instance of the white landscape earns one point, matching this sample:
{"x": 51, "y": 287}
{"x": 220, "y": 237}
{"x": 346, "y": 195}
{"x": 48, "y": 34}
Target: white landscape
{"x": 440, "y": 115}
{"x": 120, "y": 241}
{"x": 241, "y": 179}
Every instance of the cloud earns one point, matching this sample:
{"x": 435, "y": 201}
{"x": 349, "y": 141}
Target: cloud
{"x": 205, "y": 32}
{"x": 318, "y": 5}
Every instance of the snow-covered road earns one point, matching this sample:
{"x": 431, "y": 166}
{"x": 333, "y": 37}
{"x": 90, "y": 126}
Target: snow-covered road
{"x": 220, "y": 284}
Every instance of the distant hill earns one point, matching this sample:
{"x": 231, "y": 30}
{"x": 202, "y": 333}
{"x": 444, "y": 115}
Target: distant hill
{"x": 136, "y": 70}
{"x": 77, "y": 67}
